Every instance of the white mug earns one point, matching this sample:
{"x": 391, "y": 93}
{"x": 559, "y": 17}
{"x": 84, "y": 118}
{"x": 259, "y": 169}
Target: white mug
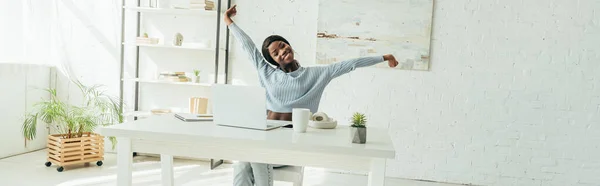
{"x": 300, "y": 117}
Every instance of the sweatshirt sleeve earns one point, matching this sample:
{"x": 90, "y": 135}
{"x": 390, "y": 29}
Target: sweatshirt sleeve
{"x": 343, "y": 67}
{"x": 248, "y": 46}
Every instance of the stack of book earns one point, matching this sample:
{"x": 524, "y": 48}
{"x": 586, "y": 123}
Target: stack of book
{"x": 202, "y": 4}
{"x": 174, "y": 77}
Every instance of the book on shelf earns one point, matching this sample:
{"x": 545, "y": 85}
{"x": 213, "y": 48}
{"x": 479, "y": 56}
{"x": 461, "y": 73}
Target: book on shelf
{"x": 173, "y": 77}
{"x": 172, "y": 73}
{"x": 202, "y": 4}
{"x": 198, "y": 105}
{"x": 145, "y": 40}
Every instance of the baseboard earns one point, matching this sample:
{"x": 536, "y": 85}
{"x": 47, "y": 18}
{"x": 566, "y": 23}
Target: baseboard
{"x": 21, "y": 153}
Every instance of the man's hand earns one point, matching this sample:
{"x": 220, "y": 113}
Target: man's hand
{"x": 231, "y": 12}
{"x": 391, "y": 60}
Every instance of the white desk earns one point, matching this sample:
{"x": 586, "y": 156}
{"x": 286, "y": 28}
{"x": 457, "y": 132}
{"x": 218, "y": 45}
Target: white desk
{"x": 327, "y": 148}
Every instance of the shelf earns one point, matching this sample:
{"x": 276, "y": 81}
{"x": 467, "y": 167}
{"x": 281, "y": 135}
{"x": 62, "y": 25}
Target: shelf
{"x": 173, "y": 11}
{"x": 207, "y": 44}
{"x": 171, "y": 46}
{"x": 170, "y": 82}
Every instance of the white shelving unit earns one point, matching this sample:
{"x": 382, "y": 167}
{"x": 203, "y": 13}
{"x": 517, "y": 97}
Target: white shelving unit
{"x": 136, "y": 58}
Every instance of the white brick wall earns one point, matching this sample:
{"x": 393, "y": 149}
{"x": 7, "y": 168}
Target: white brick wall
{"x": 513, "y": 97}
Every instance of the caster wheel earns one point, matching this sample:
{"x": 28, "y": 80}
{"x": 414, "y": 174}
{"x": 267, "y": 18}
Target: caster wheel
{"x": 60, "y": 169}
{"x": 48, "y": 164}
{"x": 99, "y": 163}
{"x": 134, "y": 154}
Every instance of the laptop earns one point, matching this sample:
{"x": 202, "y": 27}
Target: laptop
{"x": 243, "y": 107}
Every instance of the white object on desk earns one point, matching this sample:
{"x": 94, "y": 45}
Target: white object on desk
{"x": 242, "y": 106}
{"x": 193, "y": 117}
{"x": 198, "y": 105}
{"x": 317, "y": 147}
{"x": 300, "y": 117}
{"x": 329, "y": 124}
{"x": 320, "y": 116}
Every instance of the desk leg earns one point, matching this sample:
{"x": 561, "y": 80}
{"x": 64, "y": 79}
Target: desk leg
{"x": 166, "y": 162}
{"x": 124, "y": 162}
{"x": 377, "y": 173}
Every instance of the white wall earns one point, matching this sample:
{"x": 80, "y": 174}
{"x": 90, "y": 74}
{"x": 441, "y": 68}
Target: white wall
{"x": 88, "y": 43}
{"x": 22, "y": 86}
{"x": 81, "y": 38}
{"x": 512, "y": 97}
{"x": 11, "y": 32}
{"x": 25, "y": 66}
{"x": 26, "y": 32}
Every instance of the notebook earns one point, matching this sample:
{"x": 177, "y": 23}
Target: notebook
{"x": 194, "y": 117}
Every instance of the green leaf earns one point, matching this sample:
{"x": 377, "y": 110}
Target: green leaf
{"x": 113, "y": 141}
{"x": 30, "y": 127}
{"x": 358, "y": 120}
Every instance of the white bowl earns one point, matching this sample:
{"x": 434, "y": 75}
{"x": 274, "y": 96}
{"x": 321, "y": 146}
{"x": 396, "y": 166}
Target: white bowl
{"x": 323, "y": 124}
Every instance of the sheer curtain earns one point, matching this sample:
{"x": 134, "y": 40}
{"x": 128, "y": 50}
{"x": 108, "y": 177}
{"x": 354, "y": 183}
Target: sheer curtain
{"x": 11, "y": 31}
{"x": 44, "y": 41}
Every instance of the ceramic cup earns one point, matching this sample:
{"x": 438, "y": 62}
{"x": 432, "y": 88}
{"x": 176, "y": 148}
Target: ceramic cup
{"x": 300, "y": 117}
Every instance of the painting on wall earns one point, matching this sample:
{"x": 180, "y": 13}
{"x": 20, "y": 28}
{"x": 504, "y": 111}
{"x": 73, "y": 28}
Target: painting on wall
{"x": 356, "y": 28}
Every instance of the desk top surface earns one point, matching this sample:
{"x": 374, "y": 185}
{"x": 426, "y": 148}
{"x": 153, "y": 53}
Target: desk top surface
{"x": 333, "y": 141}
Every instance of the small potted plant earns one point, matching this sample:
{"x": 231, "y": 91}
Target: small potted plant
{"x": 358, "y": 129}
{"x": 196, "y": 76}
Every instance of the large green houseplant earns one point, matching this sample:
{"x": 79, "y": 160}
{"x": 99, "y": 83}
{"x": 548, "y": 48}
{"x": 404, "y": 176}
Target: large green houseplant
{"x": 97, "y": 109}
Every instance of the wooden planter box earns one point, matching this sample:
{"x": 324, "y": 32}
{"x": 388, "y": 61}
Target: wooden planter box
{"x": 85, "y": 149}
